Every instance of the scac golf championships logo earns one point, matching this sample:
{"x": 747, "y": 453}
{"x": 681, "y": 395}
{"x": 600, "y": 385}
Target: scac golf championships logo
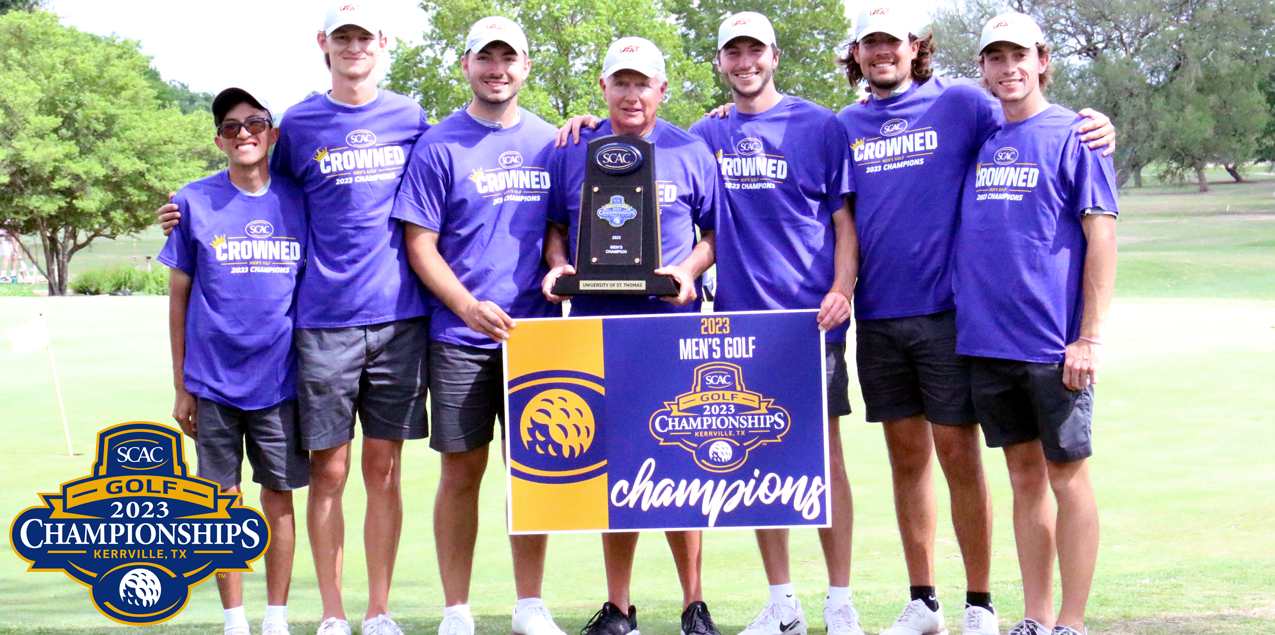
{"x": 139, "y": 530}
{"x": 719, "y": 421}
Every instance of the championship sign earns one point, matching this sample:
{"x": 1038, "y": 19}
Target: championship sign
{"x": 686, "y": 421}
{"x": 139, "y": 530}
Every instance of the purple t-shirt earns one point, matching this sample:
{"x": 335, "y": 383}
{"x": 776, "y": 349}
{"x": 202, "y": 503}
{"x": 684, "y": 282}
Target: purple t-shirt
{"x": 486, "y": 192}
{"x": 243, "y": 254}
{"x": 688, "y": 193}
{"x": 349, "y": 160}
{"x": 785, "y": 172}
{"x": 1020, "y": 256}
{"x": 910, "y": 154}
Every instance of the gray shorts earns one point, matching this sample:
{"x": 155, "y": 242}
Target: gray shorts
{"x": 378, "y": 372}
{"x": 909, "y": 366}
{"x": 838, "y": 377}
{"x": 273, "y": 437}
{"x": 1019, "y": 402}
{"x": 467, "y": 396}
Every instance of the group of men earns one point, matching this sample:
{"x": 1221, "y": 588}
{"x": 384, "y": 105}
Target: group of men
{"x": 375, "y": 259}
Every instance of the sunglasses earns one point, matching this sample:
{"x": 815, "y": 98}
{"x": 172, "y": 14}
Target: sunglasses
{"x": 230, "y": 129}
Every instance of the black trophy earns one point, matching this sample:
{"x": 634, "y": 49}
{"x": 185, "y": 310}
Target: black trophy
{"x": 618, "y": 234}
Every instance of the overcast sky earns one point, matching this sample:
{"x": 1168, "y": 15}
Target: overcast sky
{"x": 265, "y": 45}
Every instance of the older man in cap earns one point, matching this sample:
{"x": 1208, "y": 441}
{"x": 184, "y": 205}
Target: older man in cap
{"x": 634, "y": 84}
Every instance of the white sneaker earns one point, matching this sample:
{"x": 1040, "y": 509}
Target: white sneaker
{"x": 1029, "y": 627}
{"x": 334, "y": 626}
{"x": 918, "y": 619}
{"x": 980, "y": 621}
{"x": 842, "y": 620}
{"x": 381, "y": 625}
{"x": 456, "y": 625}
{"x": 534, "y": 620}
{"x": 778, "y": 619}
{"x": 275, "y": 628}
{"x": 237, "y": 630}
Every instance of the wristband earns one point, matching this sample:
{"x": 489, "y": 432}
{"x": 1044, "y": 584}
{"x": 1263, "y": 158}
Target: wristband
{"x": 1090, "y": 340}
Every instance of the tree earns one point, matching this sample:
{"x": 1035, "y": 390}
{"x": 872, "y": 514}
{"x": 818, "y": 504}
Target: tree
{"x": 179, "y": 94}
{"x": 1178, "y": 77}
{"x": 20, "y": 5}
{"x": 86, "y": 146}
{"x": 811, "y": 34}
{"x": 568, "y": 38}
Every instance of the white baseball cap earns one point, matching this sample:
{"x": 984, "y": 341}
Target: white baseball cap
{"x": 746, "y": 24}
{"x": 355, "y": 12}
{"x": 496, "y": 28}
{"x": 634, "y": 54}
{"x": 1015, "y": 28}
{"x": 884, "y": 16}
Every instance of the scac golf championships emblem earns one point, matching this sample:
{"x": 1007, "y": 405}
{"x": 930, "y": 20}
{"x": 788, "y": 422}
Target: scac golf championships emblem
{"x": 139, "y": 530}
{"x": 719, "y": 421}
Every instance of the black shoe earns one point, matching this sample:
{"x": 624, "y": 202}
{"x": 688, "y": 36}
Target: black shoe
{"x": 697, "y": 621}
{"x": 610, "y": 620}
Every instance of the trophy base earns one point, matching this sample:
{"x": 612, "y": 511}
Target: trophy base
{"x": 659, "y": 285}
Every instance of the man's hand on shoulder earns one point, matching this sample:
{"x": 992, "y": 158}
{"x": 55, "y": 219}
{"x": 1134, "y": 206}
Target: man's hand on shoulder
{"x": 571, "y": 129}
{"x": 168, "y": 215}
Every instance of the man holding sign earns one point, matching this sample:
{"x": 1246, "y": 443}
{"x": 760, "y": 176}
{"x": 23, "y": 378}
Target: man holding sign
{"x": 787, "y": 197}
{"x": 634, "y": 83}
{"x": 473, "y": 206}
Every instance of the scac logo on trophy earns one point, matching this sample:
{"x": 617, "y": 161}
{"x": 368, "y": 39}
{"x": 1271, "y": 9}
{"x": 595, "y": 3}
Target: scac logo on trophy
{"x": 618, "y": 236}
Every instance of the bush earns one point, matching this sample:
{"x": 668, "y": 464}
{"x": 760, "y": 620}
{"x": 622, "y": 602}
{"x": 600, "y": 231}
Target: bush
{"x": 121, "y": 279}
{"x": 92, "y": 282}
{"x": 157, "y": 281}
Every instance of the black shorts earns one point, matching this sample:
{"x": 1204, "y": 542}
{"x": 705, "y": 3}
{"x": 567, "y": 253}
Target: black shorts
{"x": 273, "y": 437}
{"x": 838, "y": 377}
{"x": 1019, "y": 402}
{"x": 909, "y": 366}
{"x": 377, "y": 371}
{"x": 467, "y": 395}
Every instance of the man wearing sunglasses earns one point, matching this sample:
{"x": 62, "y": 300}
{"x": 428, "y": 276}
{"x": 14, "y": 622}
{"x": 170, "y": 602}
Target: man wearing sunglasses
{"x": 235, "y": 261}
{"x": 362, "y": 327}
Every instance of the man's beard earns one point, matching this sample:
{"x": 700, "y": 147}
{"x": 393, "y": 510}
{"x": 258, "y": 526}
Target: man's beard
{"x": 890, "y": 86}
{"x": 766, "y": 77}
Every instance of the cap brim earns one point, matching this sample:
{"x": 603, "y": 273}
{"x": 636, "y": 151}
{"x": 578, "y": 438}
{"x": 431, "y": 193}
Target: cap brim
{"x": 896, "y": 31}
{"x": 752, "y": 36}
{"x": 645, "y": 69}
{"x": 481, "y": 44}
{"x": 1023, "y": 42}
{"x": 370, "y": 28}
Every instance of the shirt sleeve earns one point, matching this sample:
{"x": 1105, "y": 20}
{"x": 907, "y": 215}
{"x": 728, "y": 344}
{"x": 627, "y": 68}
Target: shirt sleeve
{"x": 712, "y": 194}
{"x": 179, "y": 249}
{"x": 422, "y": 196}
{"x": 281, "y": 158}
{"x": 989, "y": 117}
{"x": 557, "y": 212}
{"x": 1093, "y": 178}
{"x": 839, "y": 177}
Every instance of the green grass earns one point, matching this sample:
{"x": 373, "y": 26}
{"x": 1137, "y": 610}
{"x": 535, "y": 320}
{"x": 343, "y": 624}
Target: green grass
{"x": 1182, "y": 471}
{"x": 1177, "y": 243}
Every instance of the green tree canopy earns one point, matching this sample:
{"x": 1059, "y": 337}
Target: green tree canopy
{"x": 20, "y": 5}
{"x": 1180, "y": 78}
{"x": 568, "y": 39}
{"x": 811, "y": 34}
{"x": 86, "y": 146}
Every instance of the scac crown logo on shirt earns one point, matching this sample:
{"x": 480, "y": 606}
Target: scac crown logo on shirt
{"x": 893, "y": 127}
{"x": 511, "y": 159}
{"x": 361, "y": 138}
{"x": 749, "y": 146}
{"x": 1005, "y": 156}
{"x": 259, "y": 229}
